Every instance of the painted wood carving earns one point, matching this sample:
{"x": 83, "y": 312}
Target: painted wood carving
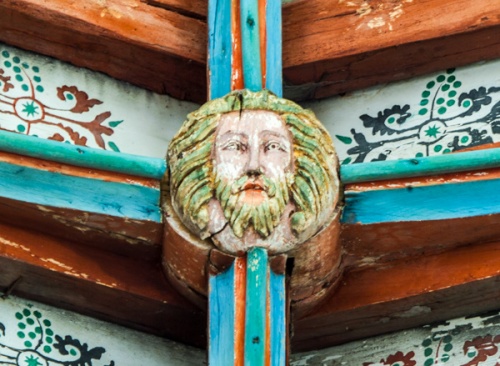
{"x": 252, "y": 181}
{"x": 253, "y": 170}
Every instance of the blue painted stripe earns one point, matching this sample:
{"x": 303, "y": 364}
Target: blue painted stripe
{"x": 53, "y": 189}
{"x": 255, "y": 312}
{"x": 219, "y": 48}
{"x": 82, "y": 156}
{"x": 442, "y": 164}
{"x": 252, "y": 71}
{"x": 278, "y": 319}
{"x": 435, "y": 202}
{"x": 221, "y": 300}
{"x": 274, "y": 66}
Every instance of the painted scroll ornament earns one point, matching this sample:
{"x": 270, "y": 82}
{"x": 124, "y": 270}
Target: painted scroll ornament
{"x": 250, "y": 170}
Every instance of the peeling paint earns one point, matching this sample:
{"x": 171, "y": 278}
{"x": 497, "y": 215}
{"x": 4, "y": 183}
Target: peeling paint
{"x": 57, "y": 263}
{"x": 376, "y": 22}
{"x": 14, "y": 245}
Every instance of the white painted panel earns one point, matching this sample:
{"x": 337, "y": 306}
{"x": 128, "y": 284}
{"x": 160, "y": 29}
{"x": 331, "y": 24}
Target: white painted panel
{"x": 449, "y": 111}
{"x": 50, "y": 99}
{"x": 32, "y": 334}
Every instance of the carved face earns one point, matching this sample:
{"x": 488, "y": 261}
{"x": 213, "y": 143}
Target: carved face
{"x": 252, "y": 144}
{"x": 253, "y": 163}
{"x": 252, "y": 159}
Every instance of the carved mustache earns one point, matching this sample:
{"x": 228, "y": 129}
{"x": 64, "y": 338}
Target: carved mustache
{"x": 260, "y": 182}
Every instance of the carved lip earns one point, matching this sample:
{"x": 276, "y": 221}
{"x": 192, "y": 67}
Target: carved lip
{"x": 254, "y": 185}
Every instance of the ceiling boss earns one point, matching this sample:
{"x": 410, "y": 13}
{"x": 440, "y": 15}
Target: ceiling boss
{"x": 253, "y": 170}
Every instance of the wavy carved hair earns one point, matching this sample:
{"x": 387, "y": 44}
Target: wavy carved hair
{"x": 315, "y": 186}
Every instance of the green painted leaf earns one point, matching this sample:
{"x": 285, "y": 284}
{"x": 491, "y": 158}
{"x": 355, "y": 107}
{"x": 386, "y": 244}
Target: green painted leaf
{"x": 346, "y": 140}
{"x": 113, "y": 146}
{"x": 115, "y": 123}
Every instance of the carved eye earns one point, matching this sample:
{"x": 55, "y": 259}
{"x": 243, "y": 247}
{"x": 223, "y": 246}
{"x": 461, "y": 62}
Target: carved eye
{"x": 273, "y": 145}
{"x": 235, "y": 146}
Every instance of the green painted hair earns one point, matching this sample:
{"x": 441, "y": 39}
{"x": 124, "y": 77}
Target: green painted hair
{"x": 315, "y": 186}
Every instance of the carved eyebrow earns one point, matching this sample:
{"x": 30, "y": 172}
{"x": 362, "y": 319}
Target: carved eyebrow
{"x": 273, "y": 133}
{"x": 230, "y": 134}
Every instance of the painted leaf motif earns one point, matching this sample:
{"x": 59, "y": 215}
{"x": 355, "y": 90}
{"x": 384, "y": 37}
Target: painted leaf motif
{"x": 406, "y": 359}
{"x": 85, "y": 355}
{"x": 477, "y": 99}
{"x": 83, "y": 103}
{"x": 345, "y": 139}
{"x": 378, "y": 123}
{"x": 98, "y": 129}
{"x": 484, "y": 347}
{"x": 115, "y": 123}
{"x": 2, "y": 329}
{"x": 5, "y": 82}
{"x": 113, "y": 146}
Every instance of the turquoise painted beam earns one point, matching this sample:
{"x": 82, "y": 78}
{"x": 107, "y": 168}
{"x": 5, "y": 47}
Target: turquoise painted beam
{"x": 442, "y": 164}
{"x": 221, "y": 316}
{"x": 274, "y": 64}
{"x": 53, "y": 189}
{"x": 252, "y": 70}
{"x": 255, "y": 311}
{"x": 82, "y": 156}
{"x": 219, "y": 48}
{"x": 278, "y": 318}
{"x": 423, "y": 203}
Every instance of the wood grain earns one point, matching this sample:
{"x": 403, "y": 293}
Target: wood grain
{"x": 406, "y": 294}
{"x": 98, "y": 283}
{"x": 192, "y": 8}
{"x": 151, "y": 47}
{"x": 335, "y": 48}
{"x": 328, "y": 48}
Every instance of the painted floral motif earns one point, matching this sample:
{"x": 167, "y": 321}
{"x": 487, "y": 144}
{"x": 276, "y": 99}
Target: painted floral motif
{"x": 447, "y": 120}
{"x": 397, "y": 359}
{"x": 26, "y": 107}
{"x": 42, "y": 347}
{"x": 482, "y": 349}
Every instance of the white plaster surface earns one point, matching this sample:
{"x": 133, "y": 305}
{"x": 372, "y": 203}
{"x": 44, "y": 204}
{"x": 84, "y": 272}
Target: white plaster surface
{"x": 149, "y": 120}
{"x": 122, "y": 346}
{"x": 426, "y": 134}
{"x": 468, "y": 341}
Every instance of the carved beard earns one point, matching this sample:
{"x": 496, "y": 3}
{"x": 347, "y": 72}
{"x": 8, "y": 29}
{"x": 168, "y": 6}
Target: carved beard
{"x": 263, "y": 216}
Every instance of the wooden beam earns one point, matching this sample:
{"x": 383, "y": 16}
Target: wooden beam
{"x": 97, "y": 283}
{"x": 328, "y": 48}
{"x": 336, "y": 48}
{"x": 404, "y": 294}
{"x": 151, "y": 47}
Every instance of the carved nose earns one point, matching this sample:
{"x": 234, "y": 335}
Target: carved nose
{"x": 253, "y": 163}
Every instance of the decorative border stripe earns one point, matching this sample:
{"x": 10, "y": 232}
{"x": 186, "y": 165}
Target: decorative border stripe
{"x": 252, "y": 71}
{"x": 219, "y": 48}
{"x": 274, "y": 67}
{"x": 435, "y": 202}
{"x": 54, "y": 189}
{"x": 82, "y": 156}
{"x": 278, "y": 319}
{"x": 256, "y": 316}
{"x": 221, "y": 297}
{"x": 442, "y": 164}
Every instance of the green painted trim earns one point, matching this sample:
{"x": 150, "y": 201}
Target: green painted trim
{"x": 82, "y": 156}
{"x": 250, "y": 44}
{"x": 255, "y": 308}
{"x": 418, "y": 167}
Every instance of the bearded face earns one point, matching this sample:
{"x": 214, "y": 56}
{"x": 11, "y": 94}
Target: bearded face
{"x": 253, "y": 169}
{"x": 252, "y": 201}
